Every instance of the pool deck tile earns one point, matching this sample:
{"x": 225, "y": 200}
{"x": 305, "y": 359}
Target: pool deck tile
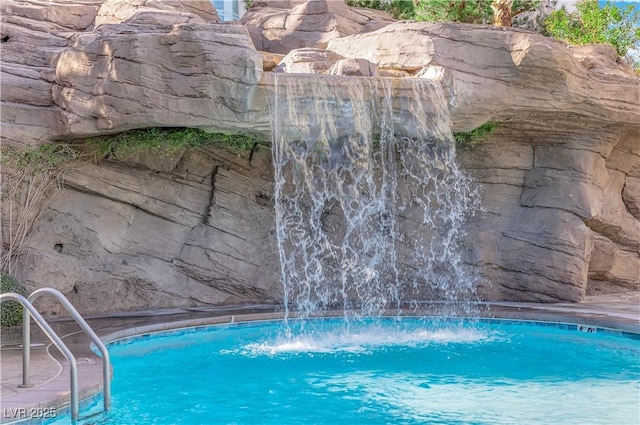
{"x": 50, "y": 371}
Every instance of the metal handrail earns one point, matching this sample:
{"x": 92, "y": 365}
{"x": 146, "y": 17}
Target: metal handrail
{"x": 106, "y": 361}
{"x": 55, "y": 339}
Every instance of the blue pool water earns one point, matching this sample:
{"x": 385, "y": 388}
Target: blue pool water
{"x": 384, "y": 372}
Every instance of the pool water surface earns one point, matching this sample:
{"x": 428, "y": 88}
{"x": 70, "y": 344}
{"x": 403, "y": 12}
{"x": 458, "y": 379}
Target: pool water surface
{"x": 409, "y": 371}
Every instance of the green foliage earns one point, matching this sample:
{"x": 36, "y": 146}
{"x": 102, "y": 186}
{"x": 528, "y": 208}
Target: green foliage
{"x": 45, "y": 157}
{"x": 466, "y": 11}
{"x": 10, "y": 311}
{"x": 469, "y": 140}
{"x": 534, "y": 21}
{"x": 399, "y": 9}
{"x": 591, "y": 23}
{"x": 164, "y": 141}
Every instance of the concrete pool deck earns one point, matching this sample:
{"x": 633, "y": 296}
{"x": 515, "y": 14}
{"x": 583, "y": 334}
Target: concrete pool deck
{"x": 50, "y": 371}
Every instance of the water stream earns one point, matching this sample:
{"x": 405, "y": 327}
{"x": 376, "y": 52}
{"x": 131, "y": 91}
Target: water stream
{"x": 369, "y": 200}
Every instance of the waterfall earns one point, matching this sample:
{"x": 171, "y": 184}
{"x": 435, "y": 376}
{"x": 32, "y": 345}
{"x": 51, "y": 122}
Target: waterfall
{"x": 369, "y": 200}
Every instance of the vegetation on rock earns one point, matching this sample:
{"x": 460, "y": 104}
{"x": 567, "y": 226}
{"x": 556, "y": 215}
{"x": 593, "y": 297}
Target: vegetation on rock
{"x": 467, "y": 11}
{"x": 10, "y": 311}
{"x": 43, "y": 158}
{"x": 164, "y": 141}
{"x": 400, "y": 9}
{"x": 33, "y": 174}
{"x": 469, "y": 140}
{"x": 30, "y": 177}
{"x": 590, "y": 23}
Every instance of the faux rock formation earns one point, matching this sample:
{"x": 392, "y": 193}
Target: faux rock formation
{"x": 281, "y": 26}
{"x": 270, "y": 60}
{"x": 34, "y": 36}
{"x": 37, "y": 34}
{"x": 354, "y": 68}
{"x": 110, "y": 80}
{"x": 169, "y": 11}
{"x": 139, "y": 237}
{"x": 504, "y": 65}
{"x": 307, "y": 61}
{"x": 560, "y": 177}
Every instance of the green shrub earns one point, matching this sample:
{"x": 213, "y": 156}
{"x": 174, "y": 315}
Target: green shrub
{"x": 10, "y": 311}
{"x": 469, "y": 140}
{"x": 43, "y": 158}
{"x": 467, "y": 11}
{"x": 590, "y": 23}
{"x": 164, "y": 141}
{"x": 399, "y": 9}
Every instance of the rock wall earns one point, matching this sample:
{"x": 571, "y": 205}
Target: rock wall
{"x": 193, "y": 229}
{"x": 560, "y": 177}
{"x": 279, "y": 26}
{"x": 554, "y": 174}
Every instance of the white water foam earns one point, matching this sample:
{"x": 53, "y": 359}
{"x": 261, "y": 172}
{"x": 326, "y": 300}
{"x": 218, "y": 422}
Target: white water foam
{"x": 364, "y": 340}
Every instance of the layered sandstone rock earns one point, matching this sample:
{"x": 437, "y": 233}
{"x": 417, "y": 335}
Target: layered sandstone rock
{"x": 560, "y": 177}
{"x": 281, "y": 26}
{"x": 155, "y": 12}
{"x": 34, "y": 34}
{"x": 489, "y": 68}
{"x": 114, "y": 78}
{"x": 354, "y": 68}
{"x": 38, "y": 58}
{"x": 307, "y": 61}
{"x": 555, "y": 173}
{"x": 195, "y": 229}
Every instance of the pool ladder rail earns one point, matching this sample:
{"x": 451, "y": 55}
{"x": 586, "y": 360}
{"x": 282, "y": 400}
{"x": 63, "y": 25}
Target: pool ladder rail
{"x": 30, "y": 311}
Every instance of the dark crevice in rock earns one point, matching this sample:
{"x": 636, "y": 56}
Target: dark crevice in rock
{"x": 207, "y": 216}
{"x": 265, "y": 199}
{"x": 612, "y": 232}
{"x": 632, "y": 205}
{"x": 254, "y": 148}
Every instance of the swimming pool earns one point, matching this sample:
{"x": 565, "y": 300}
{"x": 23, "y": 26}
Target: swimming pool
{"x": 405, "y": 371}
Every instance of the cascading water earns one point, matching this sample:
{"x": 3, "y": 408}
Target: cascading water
{"x": 369, "y": 199}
